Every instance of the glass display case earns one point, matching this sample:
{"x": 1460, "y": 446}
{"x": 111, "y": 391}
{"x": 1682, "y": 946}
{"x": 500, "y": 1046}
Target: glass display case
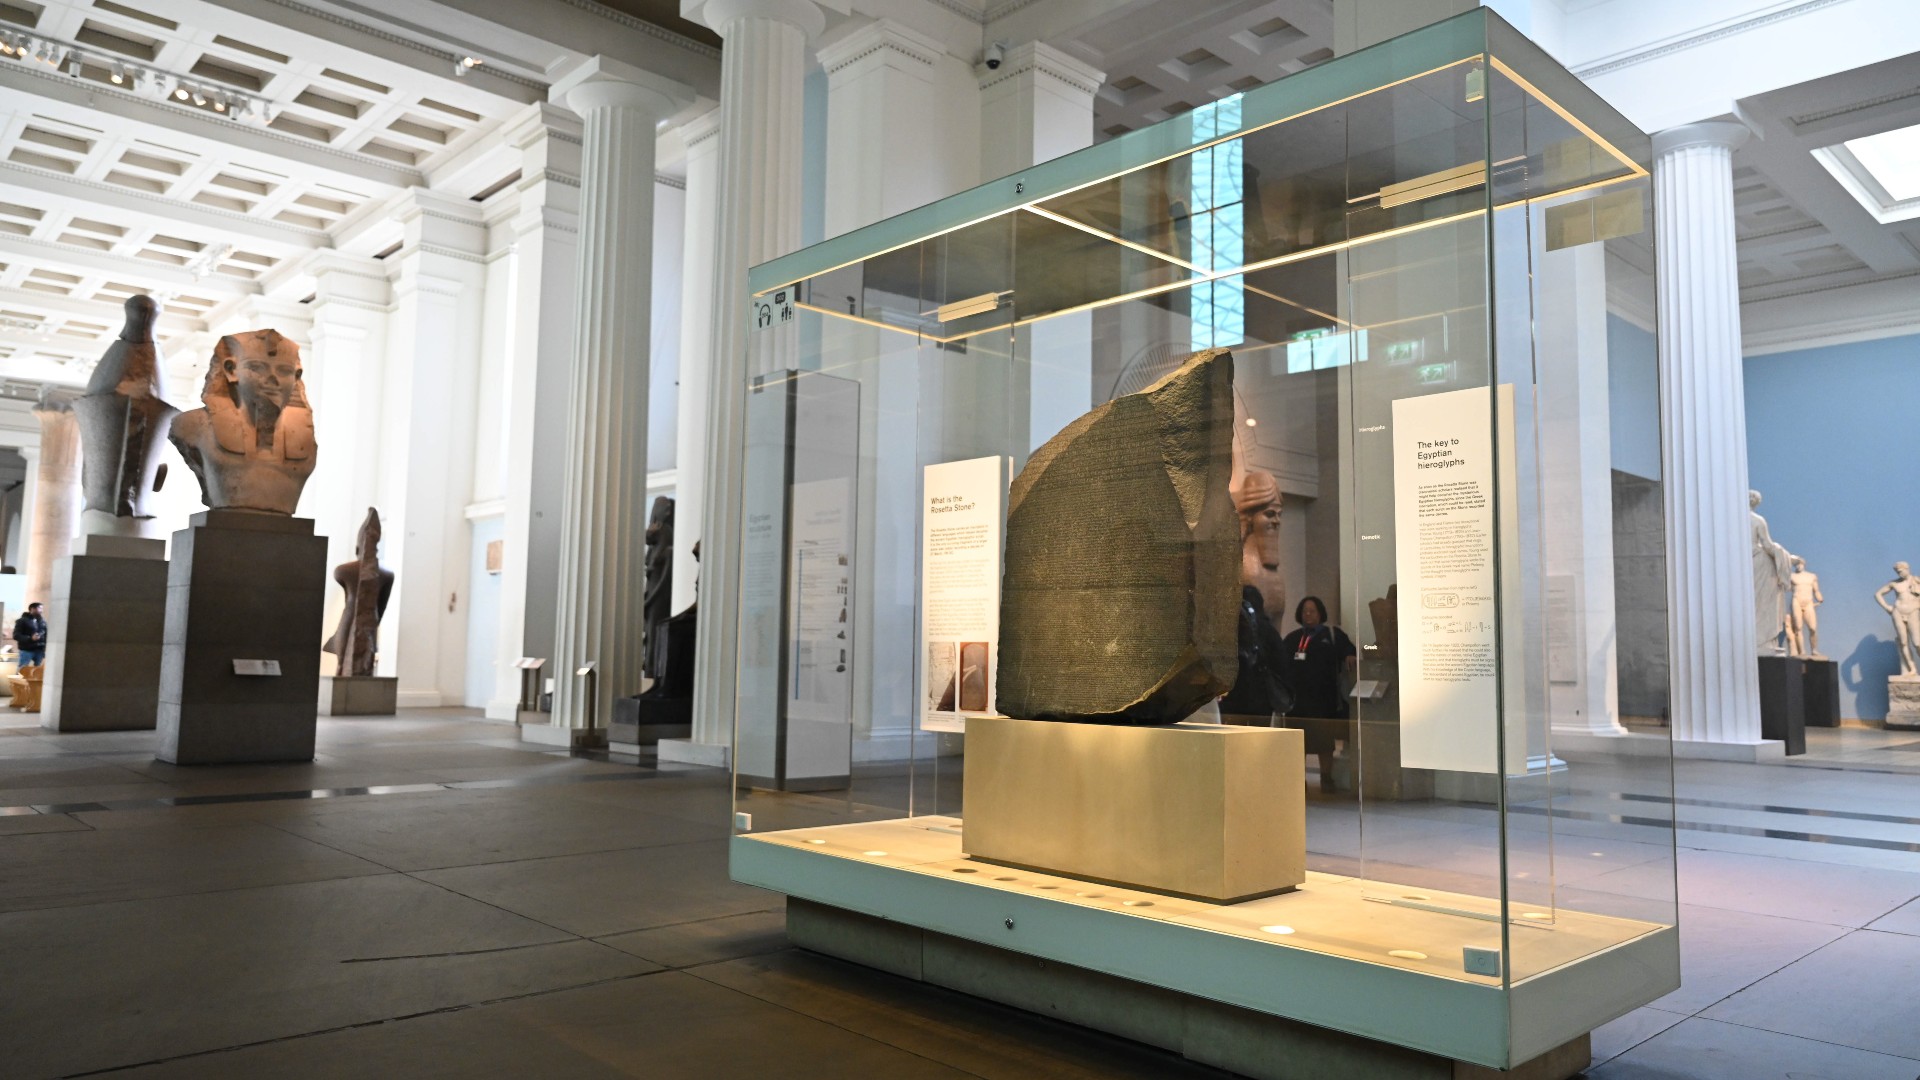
{"x": 1435, "y": 807}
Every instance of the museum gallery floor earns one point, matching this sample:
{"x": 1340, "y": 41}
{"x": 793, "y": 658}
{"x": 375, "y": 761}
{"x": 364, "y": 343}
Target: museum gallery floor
{"x": 431, "y": 897}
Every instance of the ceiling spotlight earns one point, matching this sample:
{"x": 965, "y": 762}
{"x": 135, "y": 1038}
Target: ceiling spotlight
{"x": 73, "y": 65}
{"x": 198, "y": 98}
{"x": 220, "y": 103}
{"x": 466, "y": 64}
{"x": 180, "y": 92}
{"x": 6, "y": 44}
{"x": 117, "y": 73}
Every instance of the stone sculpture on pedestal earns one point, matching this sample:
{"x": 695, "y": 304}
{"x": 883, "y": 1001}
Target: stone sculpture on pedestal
{"x": 246, "y": 590}
{"x": 110, "y": 593}
{"x": 1257, "y": 499}
{"x": 656, "y": 605}
{"x": 367, "y": 585}
{"x": 251, "y": 444}
{"x": 1120, "y": 597}
{"x": 1803, "y": 621}
{"x": 123, "y": 418}
{"x": 1905, "y": 610}
{"x": 1771, "y": 570}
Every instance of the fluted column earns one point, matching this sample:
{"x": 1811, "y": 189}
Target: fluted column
{"x": 763, "y": 68}
{"x": 56, "y": 497}
{"x": 1715, "y": 677}
{"x": 603, "y": 500}
{"x": 701, "y": 136}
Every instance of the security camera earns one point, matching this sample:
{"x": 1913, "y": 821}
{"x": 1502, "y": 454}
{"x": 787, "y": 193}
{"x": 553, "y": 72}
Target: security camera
{"x": 996, "y": 55}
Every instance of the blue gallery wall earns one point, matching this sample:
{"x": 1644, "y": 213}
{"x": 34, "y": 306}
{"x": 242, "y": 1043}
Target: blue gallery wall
{"x": 1832, "y": 446}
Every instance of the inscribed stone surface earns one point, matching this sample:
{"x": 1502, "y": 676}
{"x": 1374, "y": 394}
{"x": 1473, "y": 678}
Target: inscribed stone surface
{"x": 1122, "y": 559}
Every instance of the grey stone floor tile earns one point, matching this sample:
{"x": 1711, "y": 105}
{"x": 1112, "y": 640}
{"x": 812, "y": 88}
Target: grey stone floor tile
{"x": 522, "y": 823}
{"x": 661, "y": 1027}
{"x": 1700, "y": 1049}
{"x": 708, "y": 941}
{"x": 1610, "y": 1040}
{"x": 63, "y": 771}
{"x": 1902, "y": 920}
{"x": 984, "y": 1039}
{"x": 67, "y": 868}
{"x": 1858, "y": 991}
{"x": 1812, "y": 892}
{"x": 21, "y": 824}
{"x": 610, "y": 892}
{"x": 119, "y": 984}
{"x": 1723, "y": 952}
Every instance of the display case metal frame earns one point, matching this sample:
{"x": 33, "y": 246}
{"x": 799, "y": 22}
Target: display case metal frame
{"x": 911, "y": 871}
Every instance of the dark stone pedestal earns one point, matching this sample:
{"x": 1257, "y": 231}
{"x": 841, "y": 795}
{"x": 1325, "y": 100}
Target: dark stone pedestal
{"x": 109, "y": 608}
{"x": 644, "y": 721}
{"x": 1783, "y": 712}
{"x": 1820, "y": 690}
{"x": 250, "y": 587}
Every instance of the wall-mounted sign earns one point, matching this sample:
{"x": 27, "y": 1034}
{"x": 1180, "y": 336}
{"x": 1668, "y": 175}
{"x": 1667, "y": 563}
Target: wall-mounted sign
{"x": 256, "y": 667}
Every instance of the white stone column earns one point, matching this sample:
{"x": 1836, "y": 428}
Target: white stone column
{"x": 1037, "y": 105}
{"x": 55, "y": 518}
{"x": 539, "y": 300}
{"x": 1715, "y": 674}
{"x": 344, "y": 362}
{"x": 603, "y": 498}
{"x": 763, "y": 69}
{"x": 701, "y": 136}
{"x": 426, "y": 395}
{"x": 1576, "y": 489}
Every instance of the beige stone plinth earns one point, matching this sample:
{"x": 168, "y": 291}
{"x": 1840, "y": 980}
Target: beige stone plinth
{"x": 1903, "y": 701}
{"x": 1199, "y": 810}
{"x": 359, "y": 695}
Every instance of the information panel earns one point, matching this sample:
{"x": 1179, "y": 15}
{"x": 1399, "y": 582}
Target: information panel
{"x": 963, "y": 518}
{"x": 1447, "y": 537}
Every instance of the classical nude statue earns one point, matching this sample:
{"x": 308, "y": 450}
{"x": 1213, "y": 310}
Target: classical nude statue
{"x": 1257, "y": 499}
{"x": 1905, "y": 610}
{"x": 123, "y": 418}
{"x": 251, "y": 445}
{"x": 1770, "y": 572}
{"x": 1803, "y": 626}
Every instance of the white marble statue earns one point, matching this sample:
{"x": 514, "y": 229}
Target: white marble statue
{"x": 1803, "y": 624}
{"x": 1771, "y": 569}
{"x": 1905, "y": 610}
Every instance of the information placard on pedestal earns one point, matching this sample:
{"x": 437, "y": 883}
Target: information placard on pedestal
{"x": 963, "y": 522}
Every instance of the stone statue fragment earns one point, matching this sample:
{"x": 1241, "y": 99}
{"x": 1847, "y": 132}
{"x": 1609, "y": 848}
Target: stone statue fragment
{"x": 123, "y": 417}
{"x": 1771, "y": 568}
{"x": 251, "y": 445}
{"x": 367, "y": 584}
{"x": 1803, "y": 620}
{"x": 1905, "y": 609}
{"x": 1121, "y": 593}
{"x": 656, "y": 605}
{"x": 1257, "y": 500}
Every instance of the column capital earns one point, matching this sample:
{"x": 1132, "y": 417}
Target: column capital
{"x": 882, "y": 40}
{"x": 1040, "y": 58}
{"x": 537, "y": 122}
{"x": 701, "y": 130}
{"x": 1727, "y": 134}
{"x": 804, "y": 15}
{"x": 606, "y": 83}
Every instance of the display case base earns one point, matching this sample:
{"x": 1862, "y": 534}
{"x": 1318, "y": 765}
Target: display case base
{"x": 1210, "y": 811}
{"x": 1370, "y": 958}
{"x": 1242, "y": 1041}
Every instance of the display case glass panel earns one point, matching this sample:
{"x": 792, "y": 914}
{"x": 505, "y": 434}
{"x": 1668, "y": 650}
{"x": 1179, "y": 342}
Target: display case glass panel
{"x": 1432, "y": 264}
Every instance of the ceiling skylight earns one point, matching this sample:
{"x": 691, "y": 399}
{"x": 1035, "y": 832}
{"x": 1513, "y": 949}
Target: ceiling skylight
{"x": 1882, "y": 171}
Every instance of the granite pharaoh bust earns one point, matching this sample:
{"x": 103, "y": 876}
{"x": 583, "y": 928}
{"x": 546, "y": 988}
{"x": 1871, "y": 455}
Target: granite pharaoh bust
{"x": 123, "y": 418}
{"x": 251, "y": 444}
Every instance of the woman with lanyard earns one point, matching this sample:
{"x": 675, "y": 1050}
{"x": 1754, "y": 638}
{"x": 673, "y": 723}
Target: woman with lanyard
{"x": 1318, "y": 658}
